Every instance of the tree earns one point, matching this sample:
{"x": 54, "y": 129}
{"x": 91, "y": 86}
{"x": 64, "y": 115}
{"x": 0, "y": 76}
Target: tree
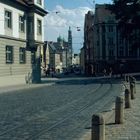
{"x": 127, "y": 13}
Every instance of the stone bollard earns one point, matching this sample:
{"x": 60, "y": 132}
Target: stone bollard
{"x": 127, "y": 99}
{"x": 127, "y": 78}
{"x": 134, "y": 82}
{"x": 119, "y": 110}
{"x": 132, "y": 79}
{"x": 132, "y": 90}
{"x": 98, "y": 127}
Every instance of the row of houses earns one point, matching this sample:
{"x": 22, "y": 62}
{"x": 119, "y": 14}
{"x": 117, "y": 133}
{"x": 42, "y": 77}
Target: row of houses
{"x": 23, "y": 49}
{"x": 57, "y": 56}
{"x": 104, "y": 45}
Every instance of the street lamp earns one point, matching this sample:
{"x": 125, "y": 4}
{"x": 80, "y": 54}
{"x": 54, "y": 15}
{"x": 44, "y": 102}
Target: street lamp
{"x": 56, "y": 12}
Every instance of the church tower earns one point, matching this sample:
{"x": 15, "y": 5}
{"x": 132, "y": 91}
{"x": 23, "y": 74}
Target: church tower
{"x": 70, "y": 49}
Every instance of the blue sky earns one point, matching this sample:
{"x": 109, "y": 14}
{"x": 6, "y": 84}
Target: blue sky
{"x": 50, "y": 4}
{"x": 72, "y": 13}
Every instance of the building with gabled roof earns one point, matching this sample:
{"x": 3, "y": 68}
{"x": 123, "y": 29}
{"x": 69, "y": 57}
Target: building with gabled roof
{"x": 61, "y": 47}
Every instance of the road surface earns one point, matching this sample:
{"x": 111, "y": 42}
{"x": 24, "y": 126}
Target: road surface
{"x": 59, "y": 112}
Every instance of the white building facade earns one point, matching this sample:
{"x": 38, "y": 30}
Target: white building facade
{"x": 21, "y": 36}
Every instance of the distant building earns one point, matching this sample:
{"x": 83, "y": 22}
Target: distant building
{"x": 76, "y": 59}
{"x": 55, "y": 61}
{"x": 45, "y": 55}
{"x": 69, "y": 49}
{"x": 82, "y": 60}
{"x": 51, "y": 57}
{"x": 62, "y": 48}
{"x": 89, "y": 44}
{"x": 21, "y": 37}
{"x": 105, "y": 38}
{"x": 110, "y": 49}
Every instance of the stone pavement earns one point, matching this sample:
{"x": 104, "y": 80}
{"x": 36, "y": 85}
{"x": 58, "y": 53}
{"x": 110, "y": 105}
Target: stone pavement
{"x": 17, "y": 82}
{"x": 130, "y": 129}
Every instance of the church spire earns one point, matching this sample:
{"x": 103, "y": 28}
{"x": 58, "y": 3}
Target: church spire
{"x": 70, "y": 37}
{"x": 70, "y": 44}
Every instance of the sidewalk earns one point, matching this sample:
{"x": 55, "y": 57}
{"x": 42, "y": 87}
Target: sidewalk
{"x": 12, "y": 80}
{"x": 130, "y": 129}
{"x": 17, "y": 82}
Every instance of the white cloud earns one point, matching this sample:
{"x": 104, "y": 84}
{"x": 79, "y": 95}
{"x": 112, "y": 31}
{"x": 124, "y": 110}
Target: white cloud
{"x": 58, "y": 24}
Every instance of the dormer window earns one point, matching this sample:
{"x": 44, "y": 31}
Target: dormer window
{"x": 39, "y": 2}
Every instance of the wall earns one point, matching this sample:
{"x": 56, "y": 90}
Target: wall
{"x": 15, "y": 21}
{"x": 42, "y": 6}
{"x": 15, "y": 68}
{"x": 38, "y": 37}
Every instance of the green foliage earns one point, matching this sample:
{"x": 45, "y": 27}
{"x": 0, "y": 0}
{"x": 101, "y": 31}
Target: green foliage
{"x": 127, "y": 14}
{"x": 126, "y": 11}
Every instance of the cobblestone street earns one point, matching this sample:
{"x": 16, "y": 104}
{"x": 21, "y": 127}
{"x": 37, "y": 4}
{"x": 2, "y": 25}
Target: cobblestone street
{"x": 59, "y": 112}
{"x": 130, "y": 129}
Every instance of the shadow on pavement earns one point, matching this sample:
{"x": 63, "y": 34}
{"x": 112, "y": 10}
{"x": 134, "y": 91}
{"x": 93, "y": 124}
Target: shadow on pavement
{"x": 80, "y": 80}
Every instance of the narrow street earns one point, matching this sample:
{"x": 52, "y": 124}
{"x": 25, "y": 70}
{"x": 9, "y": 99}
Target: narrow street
{"x": 59, "y": 112}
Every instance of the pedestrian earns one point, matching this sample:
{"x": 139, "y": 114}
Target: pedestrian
{"x": 104, "y": 72}
{"x": 110, "y": 72}
{"x": 47, "y": 72}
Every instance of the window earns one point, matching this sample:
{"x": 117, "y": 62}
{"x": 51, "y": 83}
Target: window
{"x": 8, "y": 19}
{"x": 110, "y": 28}
{"x": 103, "y": 29}
{"x": 98, "y": 43}
{"x": 111, "y": 53}
{"x": 97, "y": 30}
{"x": 121, "y": 53}
{"x": 9, "y": 54}
{"x": 21, "y": 24}
{"x": 39, "y": 2}
{"x": 110, "y": 41}
{"x": 120, "y": 40}
{"x": 22, "y": 55}
{"x": 39, "y": 27}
